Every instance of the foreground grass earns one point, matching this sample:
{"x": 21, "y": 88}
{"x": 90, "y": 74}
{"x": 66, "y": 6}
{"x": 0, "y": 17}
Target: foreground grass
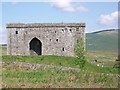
{"x": 49, "y": 60}
{"x": 91, "y": 76}
{"x": 58, "y": 61}
{"x": 106, "y": 58}
{"x": 50, "y": 78}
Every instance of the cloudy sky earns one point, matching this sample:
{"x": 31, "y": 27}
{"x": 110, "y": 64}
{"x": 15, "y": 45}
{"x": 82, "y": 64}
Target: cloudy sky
{"x": 96, "y": 15}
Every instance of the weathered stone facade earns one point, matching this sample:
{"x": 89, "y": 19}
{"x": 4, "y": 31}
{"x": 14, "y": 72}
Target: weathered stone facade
{"x": 43, "y": 38}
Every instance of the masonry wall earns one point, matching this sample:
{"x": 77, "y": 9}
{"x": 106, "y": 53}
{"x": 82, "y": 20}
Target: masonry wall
{"x": 56, "y": 38}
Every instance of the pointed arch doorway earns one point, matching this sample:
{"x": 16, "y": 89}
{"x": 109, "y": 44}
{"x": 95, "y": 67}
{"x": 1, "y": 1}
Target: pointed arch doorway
{"x": 35, "y": 47}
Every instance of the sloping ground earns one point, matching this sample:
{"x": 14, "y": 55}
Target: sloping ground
{"x": 37, "y": 66}
{"x": 19, "y": 76}
{"x": 60, "y": 61}
{"x": 102, "y": 41}
{"x": 91, "y": 76}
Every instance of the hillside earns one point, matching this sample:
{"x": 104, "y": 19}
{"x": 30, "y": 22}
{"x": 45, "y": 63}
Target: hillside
{"x": 106, "y": 40}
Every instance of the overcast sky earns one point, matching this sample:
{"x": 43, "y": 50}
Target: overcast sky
{"x": 96, "y": 15}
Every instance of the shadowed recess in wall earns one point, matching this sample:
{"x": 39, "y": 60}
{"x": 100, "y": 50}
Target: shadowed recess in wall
{"x": 35, "y": 47}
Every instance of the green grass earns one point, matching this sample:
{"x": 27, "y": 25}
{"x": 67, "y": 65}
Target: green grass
{"x": 51, "y": 78}
{"x": 91, "y": 76}
{"x": 58, "y": 61}
{"x": 49, "y": 60}
{"x": 94, "y": 68}
{"x": 106, "y": 58}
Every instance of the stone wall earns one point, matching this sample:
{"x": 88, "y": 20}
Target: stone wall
{"x": 56, "y": 38}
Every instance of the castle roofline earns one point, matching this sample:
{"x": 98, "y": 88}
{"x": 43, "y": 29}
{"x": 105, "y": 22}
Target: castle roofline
{"x": 37, "y": 25}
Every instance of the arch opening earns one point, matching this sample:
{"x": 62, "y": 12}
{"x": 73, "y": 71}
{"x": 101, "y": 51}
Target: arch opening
{"x": 35, "y": 47}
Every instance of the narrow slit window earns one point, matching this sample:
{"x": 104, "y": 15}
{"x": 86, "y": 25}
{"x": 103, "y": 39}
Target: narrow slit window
{"x": 62, "y": 49}
{"x": 16, "y": 32}
{"x": 70, "y": 30}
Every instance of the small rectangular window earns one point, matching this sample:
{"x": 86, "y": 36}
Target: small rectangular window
{"x": 70, "y": 30}
{"x": 77, "y": 29}
{"x": 57, "y": 40}
{"x": 16, "y": 32}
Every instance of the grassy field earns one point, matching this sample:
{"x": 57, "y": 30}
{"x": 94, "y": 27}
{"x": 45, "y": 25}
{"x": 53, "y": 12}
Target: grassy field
{"x": 91, "y": 76}
{"x": 52, "y": 78}
{"x": 62, "y": 61}
{"x": 103, "y": 57}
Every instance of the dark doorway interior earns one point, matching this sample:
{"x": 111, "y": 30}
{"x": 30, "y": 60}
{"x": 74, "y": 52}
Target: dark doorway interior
{"x": 35, "y": 47}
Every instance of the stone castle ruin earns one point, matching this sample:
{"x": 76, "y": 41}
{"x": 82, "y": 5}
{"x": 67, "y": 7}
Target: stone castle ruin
{"x": 44, "y": 38}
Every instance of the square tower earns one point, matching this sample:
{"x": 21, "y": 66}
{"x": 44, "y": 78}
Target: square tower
{"x": 44, "y": 38}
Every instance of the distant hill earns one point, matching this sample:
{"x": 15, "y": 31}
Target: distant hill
{"x": 107, "y": 31}
{"x": 105, "y": 40}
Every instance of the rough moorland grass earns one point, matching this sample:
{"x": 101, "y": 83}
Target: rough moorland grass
{"x": 58, "y": 61}
{"x": 106, "y": 58}
{"x": 57, "y": 78}
{"x": 49, "y": 60}
{"x": 91, "y": 67}
{"x": 90, "y": 76}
